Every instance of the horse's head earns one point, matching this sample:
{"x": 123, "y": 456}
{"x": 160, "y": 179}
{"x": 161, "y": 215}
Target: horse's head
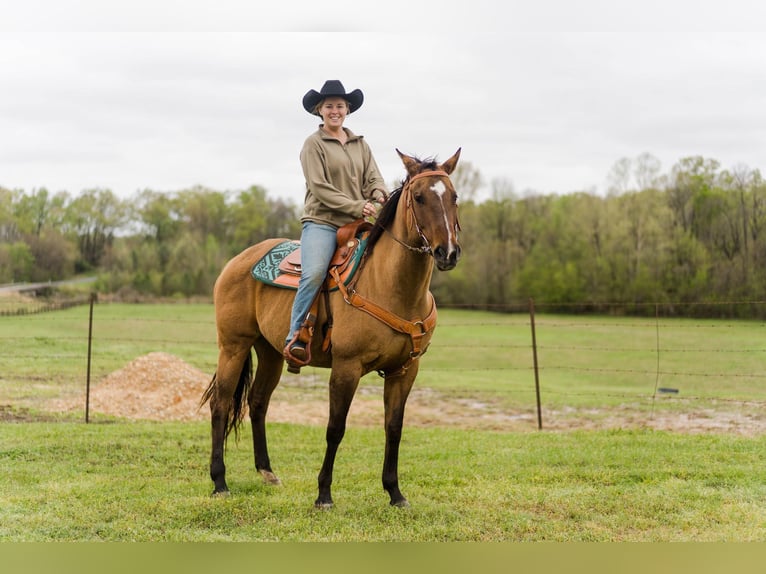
{"x": 431, "y": 201}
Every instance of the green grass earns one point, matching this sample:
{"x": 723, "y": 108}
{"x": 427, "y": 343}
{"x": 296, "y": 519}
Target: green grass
{"x": 119, "y": 480}
{"x": 593, "y": 363}
{"x": 148, "y": 482}
{"x": 45, "y": 355}
{"x": 589, "y": 367}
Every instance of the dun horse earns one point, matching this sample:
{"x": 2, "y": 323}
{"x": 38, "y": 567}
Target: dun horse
{"x": 382, "y": 322}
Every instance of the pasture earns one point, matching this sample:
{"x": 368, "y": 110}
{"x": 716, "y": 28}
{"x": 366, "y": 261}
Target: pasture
{"x": 148, "y": 482}
{"x": 608, "y": 465}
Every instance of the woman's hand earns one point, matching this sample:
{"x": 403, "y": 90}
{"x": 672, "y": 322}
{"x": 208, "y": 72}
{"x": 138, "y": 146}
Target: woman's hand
{"x": 370, "y": 209}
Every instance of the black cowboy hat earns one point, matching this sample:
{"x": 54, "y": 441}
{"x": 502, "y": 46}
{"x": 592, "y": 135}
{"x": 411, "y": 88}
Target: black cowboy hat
{"x": 332, "y": 88}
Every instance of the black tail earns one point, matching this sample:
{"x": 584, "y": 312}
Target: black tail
{"x": 237, "y": 410}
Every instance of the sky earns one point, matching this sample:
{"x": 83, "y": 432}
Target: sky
{"x": 541, "y": 97}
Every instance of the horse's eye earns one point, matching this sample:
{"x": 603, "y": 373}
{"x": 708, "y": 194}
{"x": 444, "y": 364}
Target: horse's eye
{"x": 419, "y": 198}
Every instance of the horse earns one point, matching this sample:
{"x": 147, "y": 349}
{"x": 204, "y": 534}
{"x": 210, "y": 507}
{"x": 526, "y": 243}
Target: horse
{"x": 382, "y": 323}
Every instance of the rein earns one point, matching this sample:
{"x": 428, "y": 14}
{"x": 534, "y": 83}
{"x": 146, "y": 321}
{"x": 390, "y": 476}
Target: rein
{"x": 419, "y": 331}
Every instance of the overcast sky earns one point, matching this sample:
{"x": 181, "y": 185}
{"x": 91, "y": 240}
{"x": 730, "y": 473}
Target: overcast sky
{"x": 166, "y": 95}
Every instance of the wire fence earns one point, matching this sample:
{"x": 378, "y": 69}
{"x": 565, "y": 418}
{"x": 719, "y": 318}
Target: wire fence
{"x": 36, "y": 307}
{"x": 523, "y": 367}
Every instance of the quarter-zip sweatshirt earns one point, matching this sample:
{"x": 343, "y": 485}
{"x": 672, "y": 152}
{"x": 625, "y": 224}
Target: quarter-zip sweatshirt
{"x": 340, "y": 178}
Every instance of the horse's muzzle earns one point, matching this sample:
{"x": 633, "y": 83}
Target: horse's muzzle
{"x": 446, "y": 259}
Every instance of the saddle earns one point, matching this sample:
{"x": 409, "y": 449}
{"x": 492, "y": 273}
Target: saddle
{"x": 281, "y": 266}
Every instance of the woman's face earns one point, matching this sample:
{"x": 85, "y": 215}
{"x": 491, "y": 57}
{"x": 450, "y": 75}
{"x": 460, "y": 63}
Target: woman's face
{"x": 333, "y": 111}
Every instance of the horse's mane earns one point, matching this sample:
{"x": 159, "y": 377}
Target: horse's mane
{"x": 387, "y": 214}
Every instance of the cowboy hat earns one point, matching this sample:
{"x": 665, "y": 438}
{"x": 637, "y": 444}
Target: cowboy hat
{"x": 332, "y": 88}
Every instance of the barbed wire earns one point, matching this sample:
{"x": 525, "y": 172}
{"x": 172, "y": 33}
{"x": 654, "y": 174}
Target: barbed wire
{"x": 648, "y": 382}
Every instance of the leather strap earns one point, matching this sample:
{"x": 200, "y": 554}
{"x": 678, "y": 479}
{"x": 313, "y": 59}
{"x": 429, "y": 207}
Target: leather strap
{"x": 419, "y": 331}
{"x": 429, "y": 173}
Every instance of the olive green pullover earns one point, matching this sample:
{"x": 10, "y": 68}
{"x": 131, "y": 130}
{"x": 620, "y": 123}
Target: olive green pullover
{"x": 340, "y": 178}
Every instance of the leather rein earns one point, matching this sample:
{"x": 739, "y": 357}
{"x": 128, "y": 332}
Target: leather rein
{"x": 419, "y": 331}
{"x": 425, "y": 248}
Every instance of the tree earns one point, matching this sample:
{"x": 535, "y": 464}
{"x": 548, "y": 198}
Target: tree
{"x": 54, "y": 256}
{"x": 690, "y": 177}
{"x": 93, "y": 217}
{"x": 16, "y": 262}
{"x": 204, "y": 212}
{"x": 9, "y": 228}
{"x": 283, "y": 220}
{"x": 250, "y": 217}
{"x": 498, "y": 247}
{"x": 619, "y": 177}
{"x": 646, "y": 171}
{"x": 555, "y": 270}
{"x": 157, "y": 214}
{"x": 467, "y": 181}
{"x": 637, "y": 245}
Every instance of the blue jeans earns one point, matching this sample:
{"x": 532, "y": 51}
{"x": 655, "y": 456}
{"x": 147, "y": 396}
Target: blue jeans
{"x": 318, "y": 244}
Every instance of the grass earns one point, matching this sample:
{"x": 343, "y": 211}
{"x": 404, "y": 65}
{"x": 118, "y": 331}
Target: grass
{"x": 47, "y": 353}
{"x": 120, "y": 481}
{"x": 588, "y": 361}
{"x": 591, "y": 368}
{"x": 147, "y": 482}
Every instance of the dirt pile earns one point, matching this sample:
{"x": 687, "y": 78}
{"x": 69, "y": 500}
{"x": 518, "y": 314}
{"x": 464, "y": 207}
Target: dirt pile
{"x": 157, "y": 386}
{"x": 162, "y": 387}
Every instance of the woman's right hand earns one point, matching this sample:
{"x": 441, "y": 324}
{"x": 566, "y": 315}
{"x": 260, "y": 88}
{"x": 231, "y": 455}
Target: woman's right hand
{"x": 369, "y": 210}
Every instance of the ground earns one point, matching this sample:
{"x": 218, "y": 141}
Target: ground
{"x": 162, "y": 387}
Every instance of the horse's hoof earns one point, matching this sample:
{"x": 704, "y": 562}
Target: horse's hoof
{"x": 270, "y": 478}
{"x": 323, "y": 505}
{"x": 220, "y": 494}
{"x": 400, "y": 503}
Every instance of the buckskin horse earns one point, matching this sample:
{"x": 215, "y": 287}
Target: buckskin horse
{"x": 383, "y": 321}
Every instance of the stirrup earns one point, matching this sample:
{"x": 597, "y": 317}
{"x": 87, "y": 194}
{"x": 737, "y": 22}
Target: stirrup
{"x": 302, "y": 337}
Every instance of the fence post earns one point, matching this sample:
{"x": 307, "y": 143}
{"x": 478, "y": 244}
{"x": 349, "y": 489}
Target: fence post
{"x": 90, "y": 340}
{"x": 534, "y": 357}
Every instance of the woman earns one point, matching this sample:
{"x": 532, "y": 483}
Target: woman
{"x": 343, "y": 183}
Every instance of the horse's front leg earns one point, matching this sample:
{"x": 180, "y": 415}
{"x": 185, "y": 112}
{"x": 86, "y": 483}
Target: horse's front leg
{"x": 342, "y": 388}
{"x": 395, "y": 392}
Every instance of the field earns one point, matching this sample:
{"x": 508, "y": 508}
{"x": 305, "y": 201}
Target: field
{"x": 616, "y": 460}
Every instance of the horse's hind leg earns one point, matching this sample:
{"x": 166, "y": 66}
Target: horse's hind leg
{"x": 267, "y": 375}
{"x": 396, "y": 389}
{"x": 232, "y": 374}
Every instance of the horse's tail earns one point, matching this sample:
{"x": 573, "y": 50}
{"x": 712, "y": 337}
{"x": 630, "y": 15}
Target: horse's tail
{"x": 236, "y": 410}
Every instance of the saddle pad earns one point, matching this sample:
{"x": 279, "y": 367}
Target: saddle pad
{"x": 267, "y": 268}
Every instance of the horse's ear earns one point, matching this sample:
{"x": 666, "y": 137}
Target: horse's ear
{"x": 410, "y": 163}
{"x": 449, "y": 165}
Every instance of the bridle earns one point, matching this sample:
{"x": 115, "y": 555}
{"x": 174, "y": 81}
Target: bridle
{"x": 425, "y": 247}
{"x": 420, "y": 332}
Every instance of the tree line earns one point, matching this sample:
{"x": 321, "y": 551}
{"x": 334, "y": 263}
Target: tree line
{"x": 695, "y": 235}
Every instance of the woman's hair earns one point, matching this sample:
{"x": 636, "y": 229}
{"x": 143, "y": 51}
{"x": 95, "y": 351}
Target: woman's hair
{"x": 321, "y": 103}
